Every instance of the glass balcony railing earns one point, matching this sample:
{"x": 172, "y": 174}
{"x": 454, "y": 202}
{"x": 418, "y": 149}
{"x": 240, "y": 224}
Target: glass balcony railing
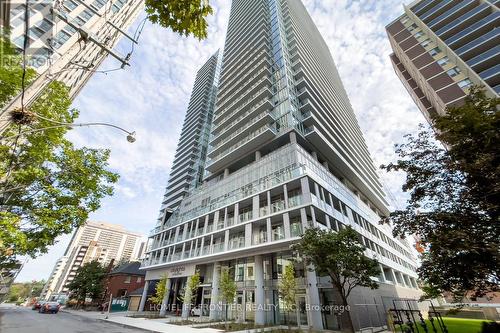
{"x": 449, "y": 12}
{"x": 478, "y": 41}
{"x": 472, "y": 28}
{"x": 296, "y": 229}
{"x": 491, "y": 53}
{"x": 435, "y": 9}
{"x": 490, "y": 73}
{"x": 246, "y": 216}
{"x": 462, "y": 19}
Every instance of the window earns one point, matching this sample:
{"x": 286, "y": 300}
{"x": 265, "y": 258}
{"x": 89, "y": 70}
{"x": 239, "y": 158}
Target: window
{"x": 127, "y": 279}
{"x": 139, "y": 279}
{"x": 465, "y": 83}
{"x": 412, "y": 27}
{"x": 443, "y": 61}
{"x": 453, "y": 72}
{"x": 425, "y": 42}
{"x": 419, "y": 34}
{"x": 435, "y": 51}
{"x": 405, "y": 19}
{"x": 122, "y": 293}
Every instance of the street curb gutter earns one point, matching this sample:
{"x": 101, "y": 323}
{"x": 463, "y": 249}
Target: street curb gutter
{"x": 128, "y": 326}
{"x": 111, "y": 322}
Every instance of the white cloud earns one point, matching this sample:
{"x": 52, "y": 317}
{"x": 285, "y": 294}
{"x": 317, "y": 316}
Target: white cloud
{"x": 152, "y": 95}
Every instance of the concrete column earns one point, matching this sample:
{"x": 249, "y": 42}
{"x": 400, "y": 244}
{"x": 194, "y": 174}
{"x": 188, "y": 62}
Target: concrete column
{"x": 285, "y": 195}
{"x": 226, "y": 173}
{"x": 184, "y": 234}
{"x": 183, "y": 249}
{"x": 144, "y": 296}
{"x": 248, "y": 234}
{"x": 214, "y": 300}
{"x": 393, "y": 276}
{"x": 286, "y": 225}
{"x": 226, "y": 240}
{"x": 255, "y": 206}
{"x": 176, "y": 234}
{"x": 314, "y": 155}
{"x": 304, "y": 184}
{"x": 327, "y": 217}
{"x": 163, "y": 308}
{"x": 216, "y": 220}
{"x": 313, "y": 216}
{"x": 303, "y": 218}
{"x": 269, "y": 230}
{"x": 260, "y": 315}
{"x": 314, "y": 317}
{"x": 257, "y": 155}
{"x": 293, "y": 137}
{"x": 237, "y": 213}
{"x": 325, "y": 164}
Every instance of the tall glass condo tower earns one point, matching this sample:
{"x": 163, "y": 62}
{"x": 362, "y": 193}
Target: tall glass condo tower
{"x": 285, "y": 153}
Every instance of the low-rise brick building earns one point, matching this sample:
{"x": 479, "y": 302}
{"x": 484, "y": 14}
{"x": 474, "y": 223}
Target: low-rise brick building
{"x": 124, "y": 279}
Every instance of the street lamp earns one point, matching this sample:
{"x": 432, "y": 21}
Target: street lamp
{"x": 130, "y": 135}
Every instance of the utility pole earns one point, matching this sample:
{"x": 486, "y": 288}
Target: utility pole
{"x": 35, "y": 89}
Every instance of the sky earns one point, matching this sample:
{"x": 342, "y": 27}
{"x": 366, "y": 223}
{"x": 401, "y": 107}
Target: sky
{"x": 151, "y": 96}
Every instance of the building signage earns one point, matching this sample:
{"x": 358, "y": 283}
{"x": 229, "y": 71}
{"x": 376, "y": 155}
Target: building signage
{"x": 181, "y": 271}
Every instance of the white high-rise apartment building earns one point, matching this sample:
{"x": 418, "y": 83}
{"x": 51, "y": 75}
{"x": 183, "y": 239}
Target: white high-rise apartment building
{"x": 68, "y": 40}
{"x": 285, "y": 153}
{"x": 104, "y": 242}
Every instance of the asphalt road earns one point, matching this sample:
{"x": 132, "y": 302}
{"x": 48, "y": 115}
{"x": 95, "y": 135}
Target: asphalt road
{"x": 25, "y": 320}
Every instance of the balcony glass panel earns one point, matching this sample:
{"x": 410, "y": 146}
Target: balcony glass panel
{"x": 484, "y": 56}
{"x": 435, "y": 9}
{"x": 450, "y": 12}
{"x": 462, "y": 18}
{"x": 486, "y": 20}
{"x": 478, "y": 41}
{"x": 489, "y": 73}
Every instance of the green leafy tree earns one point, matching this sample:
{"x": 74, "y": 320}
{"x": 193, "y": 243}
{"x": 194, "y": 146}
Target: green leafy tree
{"x": 186, "y": 17}
{"x": 19, "y": 292}
{"x": 47, "y": 186}
{"x": 227, "y": 288}
{"x": 190, "y": 292}
{"x": 287, "y": 290}
{"x": 454, "y": 198}
{"x": 11, "y": 71}
{"x": 161, "y": 290}
{"x": 339, "y": 255}
{"x": 88, "y": 282}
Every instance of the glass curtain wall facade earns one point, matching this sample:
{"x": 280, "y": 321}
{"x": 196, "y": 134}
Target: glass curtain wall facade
{"x": 285, "y": 153}
{"x": 188, "y": 168}
{"x": 442, "y": 47}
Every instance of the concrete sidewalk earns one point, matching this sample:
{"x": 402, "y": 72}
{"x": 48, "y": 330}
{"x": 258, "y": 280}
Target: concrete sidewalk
{"x": 151, "y": 325}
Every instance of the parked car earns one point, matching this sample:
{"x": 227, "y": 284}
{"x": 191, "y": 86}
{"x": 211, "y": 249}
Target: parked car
{"x": 37, "y": 305}
{"x": 50, "y": 307}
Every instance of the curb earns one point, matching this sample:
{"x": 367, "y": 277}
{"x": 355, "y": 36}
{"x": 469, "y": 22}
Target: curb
{"x": 110, "y": 322}
{"x": 128, "y": 326}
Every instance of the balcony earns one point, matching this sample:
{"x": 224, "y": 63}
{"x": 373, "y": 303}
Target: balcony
{"x": 485, "y": 60}
{"x": 461, "y": 22}
{"x": 479, "y": 44}
{"x": 242, "y": 148}
{"x": 473, "y": 31}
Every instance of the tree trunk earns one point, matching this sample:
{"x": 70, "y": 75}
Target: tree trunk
{"x": 348, "y": 313}
{"x": 225, "y": 318}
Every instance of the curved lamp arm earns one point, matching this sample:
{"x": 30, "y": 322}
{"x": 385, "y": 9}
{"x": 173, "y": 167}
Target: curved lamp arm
{"x": 130, "y": 135}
